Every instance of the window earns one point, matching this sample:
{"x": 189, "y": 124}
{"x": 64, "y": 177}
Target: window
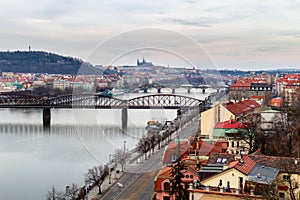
{"x": 286, "y": 177}
{"x": 187, "y": 176}
{"x": 166, "y": 198}
{"x": 173, "y": 157}
{"x": 281, "y": 195}
{"x": 191, "y": 176}
{"x": 166, "y": 186}
{"x": 219, "y": 160}
{"x": 237, "y": 144}
{"x": 232, "y": 144}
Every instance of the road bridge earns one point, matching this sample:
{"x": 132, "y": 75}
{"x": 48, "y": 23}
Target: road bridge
{"x": 188, "y": 87}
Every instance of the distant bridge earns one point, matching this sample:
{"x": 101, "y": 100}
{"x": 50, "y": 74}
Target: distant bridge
{"x": 158, "y": 86}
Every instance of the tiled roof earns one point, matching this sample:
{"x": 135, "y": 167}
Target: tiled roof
{"x": 229, "y": 124}
{"x": 206, "y": 149}
{"x": 285, "y": 164}
{"x": 244, "y": 166}
{"x": 173, "y": 146}
{"x": 241, "y": 107}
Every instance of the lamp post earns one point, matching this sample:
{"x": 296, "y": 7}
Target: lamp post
{"x": 124, "y": 151}
{"x": 109, "y": 169}
{"x": 124, "y": 146}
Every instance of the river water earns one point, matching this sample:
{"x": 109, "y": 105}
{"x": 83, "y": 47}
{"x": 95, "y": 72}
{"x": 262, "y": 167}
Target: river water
{"x": 31, "y": 160}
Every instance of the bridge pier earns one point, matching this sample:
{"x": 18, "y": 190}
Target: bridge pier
{"x": 46, "y": 118}
{"x": 173, "y": 90}
{"x": 203, "y": 90}
{"x": 124, "y": 119}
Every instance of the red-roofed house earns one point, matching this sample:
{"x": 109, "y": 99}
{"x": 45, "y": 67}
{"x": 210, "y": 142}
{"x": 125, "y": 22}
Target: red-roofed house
{"x": 225, "y": 111}
{"x": 244, "y": 88}
{"x": 288, "y": 85}
{"x": 233, "y": 132}
{"x": 171, "y": 152}
{"x": 234, "y": 175}
{"x": 162, "y": 181}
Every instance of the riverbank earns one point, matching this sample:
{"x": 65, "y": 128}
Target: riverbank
{"x": 136, "y": 159}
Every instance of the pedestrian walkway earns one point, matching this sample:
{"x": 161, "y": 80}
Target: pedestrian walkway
{"x": 135, "y": 162}
{"x": 94, "y": 192}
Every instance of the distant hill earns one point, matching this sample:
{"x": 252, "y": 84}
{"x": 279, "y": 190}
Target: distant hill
{"x": 44, "y": 62}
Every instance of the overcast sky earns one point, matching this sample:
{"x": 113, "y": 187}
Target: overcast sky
{"x": 226, "y": 34}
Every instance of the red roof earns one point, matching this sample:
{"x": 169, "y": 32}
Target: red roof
{"x": 206, "y": 149}
{"x": 173, "y": 149}
{"x": 229, "y": 124}
{"x": 244, "y": 165}
{"x": 241, "y": 107}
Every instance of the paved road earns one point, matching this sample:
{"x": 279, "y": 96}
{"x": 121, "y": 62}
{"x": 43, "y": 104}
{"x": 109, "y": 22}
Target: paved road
{"x": 140, "y": 185}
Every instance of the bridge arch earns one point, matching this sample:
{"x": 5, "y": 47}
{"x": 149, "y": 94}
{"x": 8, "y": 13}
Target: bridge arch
{"x": 165, "y": 101}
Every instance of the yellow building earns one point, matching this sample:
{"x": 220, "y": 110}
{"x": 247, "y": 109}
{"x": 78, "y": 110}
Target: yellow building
{"x": 224, "y": 111}
{"x": 210, "y": 117}
{"x": 233, "y": 177}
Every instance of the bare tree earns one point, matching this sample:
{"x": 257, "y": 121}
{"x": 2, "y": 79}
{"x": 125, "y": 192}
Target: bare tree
{"x": 97, "y": 176}
{"x": 121, "y": 157}
{"x": 72, "y": 192}
{"x": 285, "y": 131}
{"x": 152, "y": 141}
{"x": 144, "y": 146}
{"x": 159, "y": 140}
{"x": 54, "y": 194}
{"x": 253, "y": 135}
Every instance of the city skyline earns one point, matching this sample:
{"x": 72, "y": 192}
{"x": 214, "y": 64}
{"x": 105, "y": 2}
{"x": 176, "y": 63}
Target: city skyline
{"x": 232, "y": 35}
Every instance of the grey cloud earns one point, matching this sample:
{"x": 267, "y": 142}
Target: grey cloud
{"x": 189, "y": 22}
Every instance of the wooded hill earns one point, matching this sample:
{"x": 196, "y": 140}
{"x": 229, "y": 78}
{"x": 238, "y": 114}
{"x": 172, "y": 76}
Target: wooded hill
{"x": 43, "y": 62}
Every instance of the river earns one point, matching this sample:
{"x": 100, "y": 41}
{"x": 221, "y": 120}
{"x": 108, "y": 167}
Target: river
{"x": 31, "y": 160}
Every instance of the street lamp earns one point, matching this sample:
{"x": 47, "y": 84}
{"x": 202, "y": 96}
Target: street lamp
{"x": 124, "y": 151}
{"x": 124, "y": 146}
{"x": 109, "y": 169}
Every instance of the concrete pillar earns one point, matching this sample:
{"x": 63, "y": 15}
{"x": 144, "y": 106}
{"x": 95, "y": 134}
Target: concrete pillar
{"x": 46, "y": 118}
{"x": 124, "y": 119}
{"x": 173, "y": 90}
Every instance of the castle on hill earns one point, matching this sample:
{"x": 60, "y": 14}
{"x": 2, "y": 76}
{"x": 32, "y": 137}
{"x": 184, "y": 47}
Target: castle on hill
{"x": 143, "y": 63}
